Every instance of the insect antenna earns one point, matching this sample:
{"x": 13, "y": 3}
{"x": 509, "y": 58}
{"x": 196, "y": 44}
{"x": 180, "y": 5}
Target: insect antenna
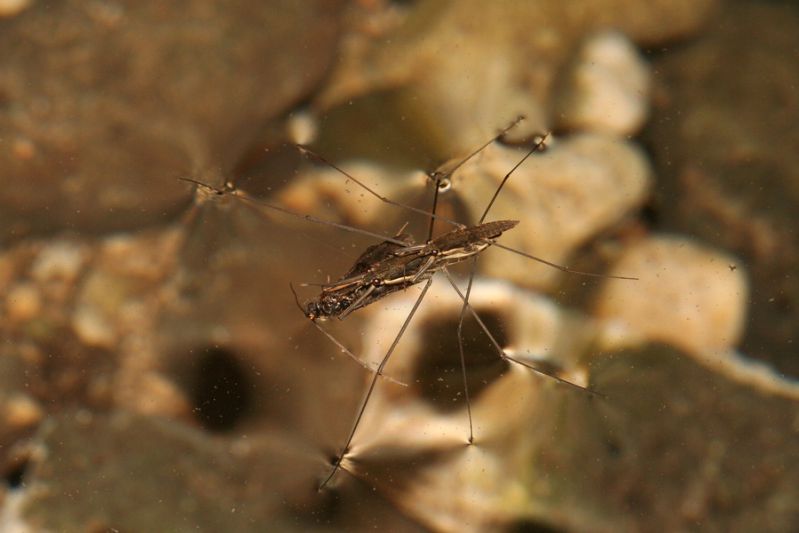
{"x": 373, "y": 382}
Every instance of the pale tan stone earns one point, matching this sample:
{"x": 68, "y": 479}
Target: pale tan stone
{"x": 687, "y": 295}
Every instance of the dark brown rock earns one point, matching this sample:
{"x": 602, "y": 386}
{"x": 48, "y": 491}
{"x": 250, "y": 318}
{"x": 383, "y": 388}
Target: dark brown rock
{"x": 102, "y": 106}
{"x": 674, "y": 447}
{"x": 134, "y": 473}
{"x": 724, "y": 137}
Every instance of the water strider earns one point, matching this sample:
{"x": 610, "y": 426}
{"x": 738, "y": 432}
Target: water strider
{"x": 387, "y": 267}
{"x": 397, "y": 263}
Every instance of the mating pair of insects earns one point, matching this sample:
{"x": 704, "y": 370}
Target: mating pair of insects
{"x": 398, "y": 263}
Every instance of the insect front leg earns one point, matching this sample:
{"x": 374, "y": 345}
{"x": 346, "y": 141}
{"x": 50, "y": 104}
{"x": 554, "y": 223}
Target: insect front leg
{"x": 356, "y": 304}
{"x": 429, "y": 262}
{"x": 373, "y": 383}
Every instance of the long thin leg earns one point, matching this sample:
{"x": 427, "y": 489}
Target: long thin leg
{"x": 507, "y": 357}
{"x": 353, "y": 356}
{"x": 482, "y": 147}
{"x": 337, "y": 342}
{"x": 460, "y": 348}
{"x": 358, "y": 301}
{"x": 538, "y": 146}
{"x": 423, "y": 269}
{"x": 435, "y": 176}
{"x": 433, "y": 210}
{"x": 307, "y": 151}
{"x": 372, "y": 384}
{"x": 257, "y": 204}
{"x": 560, "y": 267}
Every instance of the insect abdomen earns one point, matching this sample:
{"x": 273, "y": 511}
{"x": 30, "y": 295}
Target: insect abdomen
{"x": 492, "y": 230}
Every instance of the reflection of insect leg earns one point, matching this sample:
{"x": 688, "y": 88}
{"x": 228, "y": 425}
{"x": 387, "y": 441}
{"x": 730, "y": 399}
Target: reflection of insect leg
{"x": 383, "y": 362}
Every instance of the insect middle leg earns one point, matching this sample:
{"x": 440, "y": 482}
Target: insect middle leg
{"x": 472, "y": 267}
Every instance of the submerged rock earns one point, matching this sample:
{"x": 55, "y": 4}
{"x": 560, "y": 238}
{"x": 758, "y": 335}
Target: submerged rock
{"x": 686, "y": 295}
{"x": 137, "y": 95}
{"x": 724, "y": 140}
{"x": 605, "y": 88}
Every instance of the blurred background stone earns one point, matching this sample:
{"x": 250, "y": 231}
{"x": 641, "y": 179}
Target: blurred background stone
{"x": 191, "y": 481}
{"x": 689, "y": 297}
{"x": 104, "y": 104}
{"x": 605, "y": 88}
{"x": 496, "y": 60}
{"x": 652, "y": 457}
{"x": 723, "y": 134}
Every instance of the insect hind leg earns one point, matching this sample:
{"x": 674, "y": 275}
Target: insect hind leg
{"x": 504, "y": 356}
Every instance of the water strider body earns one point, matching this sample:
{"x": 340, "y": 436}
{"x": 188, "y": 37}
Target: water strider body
{"x": 389, "y": 267}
